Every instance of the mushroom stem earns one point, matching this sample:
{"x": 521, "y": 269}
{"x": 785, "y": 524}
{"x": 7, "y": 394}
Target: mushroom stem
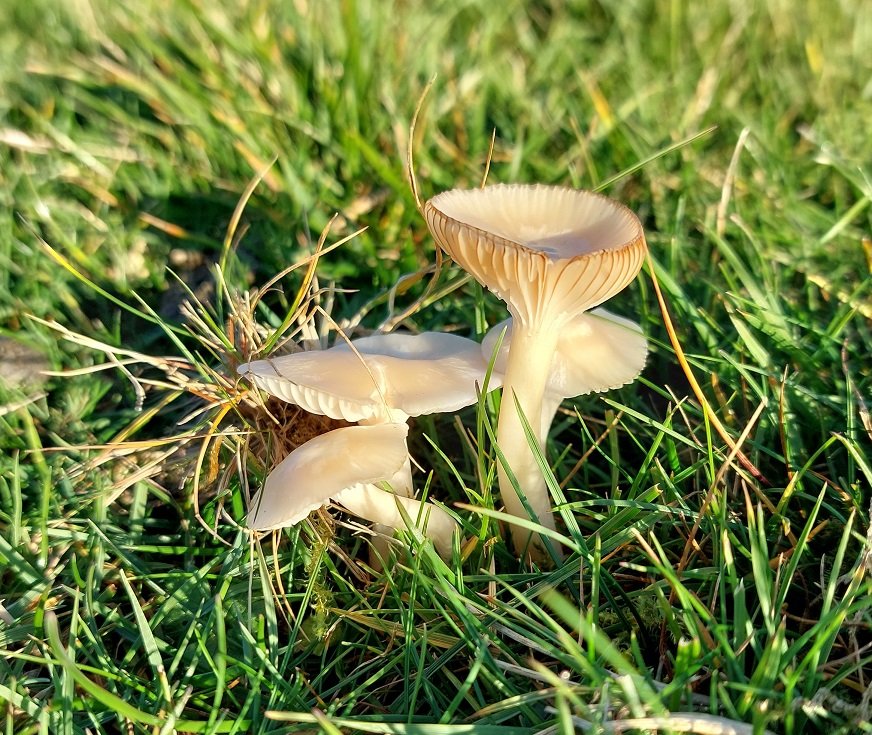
{"x": 527, "y": 370}
{"x": 374, "y": 504}
{"x": 550, "y": 405}
{"x": 401, "y": 484}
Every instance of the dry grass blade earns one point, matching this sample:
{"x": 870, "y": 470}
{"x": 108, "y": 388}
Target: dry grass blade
{"x": 410, "y": 153}
{"x": 394, "y": 320}
{"x": 689, "y": 543}
{"x": 590, "y": 450}
{"x": 298, "y": 308}
{"x": 229, "y": 238}
{"x": 729, "y": 180}
{"x": 310, "y": 261}
{"x": 697, "y": 390}
{"x": 169, "y": 365}
{"x": 23, "y": 403}
{"x": 490, "y": 158}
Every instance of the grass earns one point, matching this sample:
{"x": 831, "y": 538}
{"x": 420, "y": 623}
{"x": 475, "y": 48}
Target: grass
{"x": 719, "y": 574}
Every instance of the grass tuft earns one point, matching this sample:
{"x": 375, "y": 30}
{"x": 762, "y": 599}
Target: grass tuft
{"x": 164, "y": 175}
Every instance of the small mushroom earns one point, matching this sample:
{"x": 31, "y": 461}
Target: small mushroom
{"x": 345, "y": 465}
{"x": 378, "y": 380}
{"x": 596, "y": 351}
{"x": 551, "y": 253}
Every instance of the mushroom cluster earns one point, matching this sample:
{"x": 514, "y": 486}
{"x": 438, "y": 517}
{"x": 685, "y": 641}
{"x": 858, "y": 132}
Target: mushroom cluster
{"x": 377, "y": 382}
{"x": 552, "y": 254}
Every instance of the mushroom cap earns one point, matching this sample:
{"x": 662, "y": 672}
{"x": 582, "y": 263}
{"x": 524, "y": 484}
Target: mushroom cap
{"x": 325, "y": 466}
{"x": 596, "y": 351}
{"x": 385, "y": 377}
{"x": 547, "y": 251}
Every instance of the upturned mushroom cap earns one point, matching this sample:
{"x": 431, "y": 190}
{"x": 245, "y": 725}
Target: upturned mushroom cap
{"x": 546, "y": 251}
{"x": 323, "y": 467}
{"x": 389, "y": 377}
{"x": 596, "y": 351}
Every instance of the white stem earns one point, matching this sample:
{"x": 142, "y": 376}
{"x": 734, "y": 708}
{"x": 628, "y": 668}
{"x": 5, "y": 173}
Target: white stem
{"x": 527, "y": 370}
{"x": 374, "y": 504}
{"x": 380, "y": 545}
{"x": 363, "y": 502}
{"x": 550, "y": 405}
{"x": 401, "y": 484}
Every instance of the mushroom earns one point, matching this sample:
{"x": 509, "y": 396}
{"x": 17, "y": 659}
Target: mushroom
{"x": 379, "y": 380}
{"x": 597, "y": 351}
{"x": 346, "y": 465}
{"x": 551, "y": 253}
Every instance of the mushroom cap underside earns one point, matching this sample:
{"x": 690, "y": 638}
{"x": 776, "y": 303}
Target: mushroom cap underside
{"x": 323, "y": 467}
{"x": 545, "y": 250}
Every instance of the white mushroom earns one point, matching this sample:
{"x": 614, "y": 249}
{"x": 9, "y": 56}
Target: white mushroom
{"x": 550, "y": 253}
{"x": 346, "y": 465}
{"x": 596, "y": 351}
{"x": 379, "y": 380}
{"x": 385, "y": 377}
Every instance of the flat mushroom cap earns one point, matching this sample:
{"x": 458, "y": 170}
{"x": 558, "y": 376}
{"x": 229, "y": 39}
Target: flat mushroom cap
{"x": 596, "y": 351}
{"x": 545, "y": 250}
{"x": 385, "y": 376}
{"x": 432, "y": 372}
{"x": 325, "y": 466}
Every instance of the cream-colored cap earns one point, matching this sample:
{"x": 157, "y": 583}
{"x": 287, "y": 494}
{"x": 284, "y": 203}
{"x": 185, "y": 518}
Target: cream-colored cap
{"x": 547, "y": 251}
{"x": 386, "y": 377}
{"x": 323, "y": 467}
{"x": 347, "y": 465}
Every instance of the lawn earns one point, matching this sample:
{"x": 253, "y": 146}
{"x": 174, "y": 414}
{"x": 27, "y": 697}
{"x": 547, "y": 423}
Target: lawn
{"x": 189, "y": 185}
